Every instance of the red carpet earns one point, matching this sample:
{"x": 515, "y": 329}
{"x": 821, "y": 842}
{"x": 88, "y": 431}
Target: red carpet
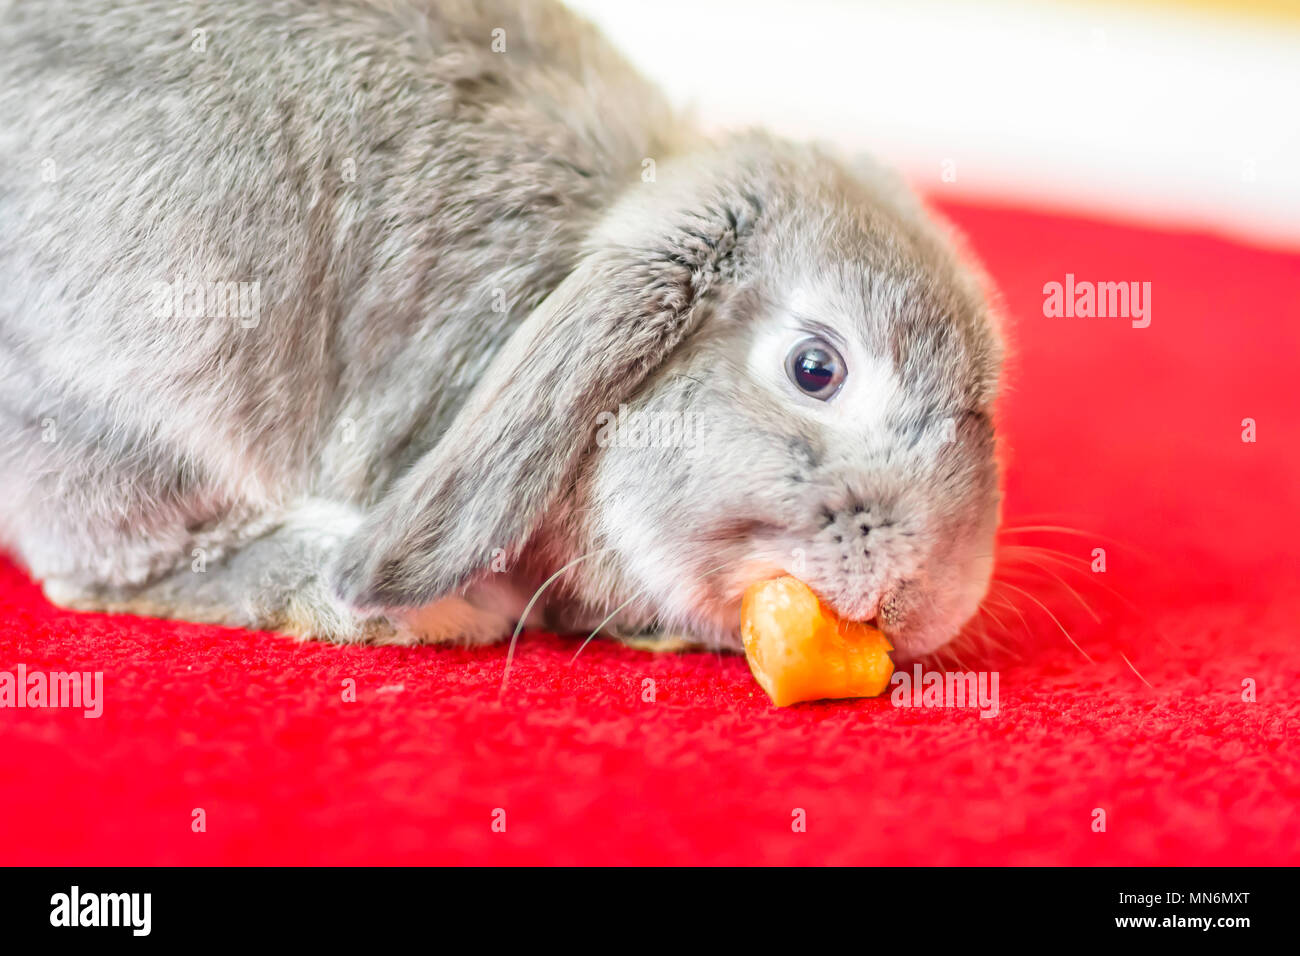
{"x": 1132, "y": 435}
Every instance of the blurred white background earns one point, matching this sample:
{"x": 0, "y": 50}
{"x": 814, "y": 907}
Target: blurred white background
{"x": 1182, "y": 114}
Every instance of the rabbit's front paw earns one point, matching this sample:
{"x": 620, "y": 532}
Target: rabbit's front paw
{"x": 313, "y": 612}
{"x": 660, "y": 642}
{"x": 452, "y": 620}
{"x": 307, "y": 609}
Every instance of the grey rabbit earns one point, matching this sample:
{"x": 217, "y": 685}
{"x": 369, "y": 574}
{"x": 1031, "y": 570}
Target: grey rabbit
{"x": 365, "y": 319}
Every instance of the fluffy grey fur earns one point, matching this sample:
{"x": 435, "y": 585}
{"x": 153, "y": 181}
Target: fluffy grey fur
{"x": 466, "y": 230}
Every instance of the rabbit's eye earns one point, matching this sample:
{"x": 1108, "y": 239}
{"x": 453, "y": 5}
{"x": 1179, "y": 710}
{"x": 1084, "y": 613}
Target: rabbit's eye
{"x": 816, "y": 368}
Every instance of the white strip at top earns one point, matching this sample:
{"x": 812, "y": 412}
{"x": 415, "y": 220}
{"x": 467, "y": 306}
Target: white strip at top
{"x": 1177, "y": 117}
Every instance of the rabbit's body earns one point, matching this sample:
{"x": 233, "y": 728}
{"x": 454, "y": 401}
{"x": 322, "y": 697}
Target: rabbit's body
{"x": 400, "y": 193}
{"x": 310, "y": 310}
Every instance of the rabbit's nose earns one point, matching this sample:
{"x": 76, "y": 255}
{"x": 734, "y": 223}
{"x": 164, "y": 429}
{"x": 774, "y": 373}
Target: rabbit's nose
{"x": 856, "y": 518}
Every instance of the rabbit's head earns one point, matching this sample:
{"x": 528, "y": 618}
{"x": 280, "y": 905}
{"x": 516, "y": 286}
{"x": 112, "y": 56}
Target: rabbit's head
{"x": 762, "y": 364}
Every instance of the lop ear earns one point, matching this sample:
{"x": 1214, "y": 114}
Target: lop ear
{"x": 523, "y": 429}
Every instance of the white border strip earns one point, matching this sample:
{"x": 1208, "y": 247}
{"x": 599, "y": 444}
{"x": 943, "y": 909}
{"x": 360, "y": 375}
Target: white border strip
{"x": 1158, "y": 115}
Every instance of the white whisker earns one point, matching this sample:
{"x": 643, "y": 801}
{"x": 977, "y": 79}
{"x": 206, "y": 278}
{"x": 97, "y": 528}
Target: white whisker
{"x": 1135, "y": 670}
{"x": 634, "y": 597}
{"x": 1054, "y": 620}
{"x": 510, "y": 654}
{"x": 1086, "y": 606}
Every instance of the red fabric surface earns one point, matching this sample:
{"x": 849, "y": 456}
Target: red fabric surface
{"x": 1131, "y": 435}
